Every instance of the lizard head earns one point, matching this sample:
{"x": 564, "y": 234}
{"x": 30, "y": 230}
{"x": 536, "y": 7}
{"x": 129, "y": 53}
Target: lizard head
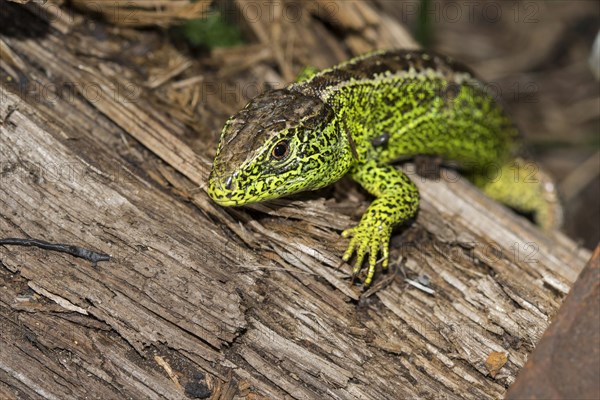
{"x": 281, "y": 143}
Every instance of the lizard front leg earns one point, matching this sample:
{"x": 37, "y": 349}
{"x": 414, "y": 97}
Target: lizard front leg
{"x": 397, "y": 201}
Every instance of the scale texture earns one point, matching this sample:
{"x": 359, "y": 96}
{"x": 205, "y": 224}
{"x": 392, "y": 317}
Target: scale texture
{"x": 359, "y": 117}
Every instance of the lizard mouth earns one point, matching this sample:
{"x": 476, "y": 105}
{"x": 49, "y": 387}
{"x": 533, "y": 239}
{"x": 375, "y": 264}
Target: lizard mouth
{"x": 225, "y": 202}
{"x": 225, "y": 191}
{"x": 233, "y": 201}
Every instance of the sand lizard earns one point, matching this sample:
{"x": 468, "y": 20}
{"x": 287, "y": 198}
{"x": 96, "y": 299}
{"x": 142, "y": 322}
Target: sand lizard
{"x": 358, "y": 117}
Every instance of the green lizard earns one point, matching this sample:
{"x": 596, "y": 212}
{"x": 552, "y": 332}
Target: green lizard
{"x": 358, "y": 117}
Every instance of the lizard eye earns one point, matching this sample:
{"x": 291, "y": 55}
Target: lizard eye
{"x": 280, "y": 150}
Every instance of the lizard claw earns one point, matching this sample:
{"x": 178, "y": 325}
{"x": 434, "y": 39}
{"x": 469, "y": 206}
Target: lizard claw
{"x": 371, "y": 238}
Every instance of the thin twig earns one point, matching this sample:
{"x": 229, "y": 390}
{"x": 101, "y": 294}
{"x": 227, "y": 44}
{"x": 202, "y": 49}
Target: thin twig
{"x": 75, "y": 251}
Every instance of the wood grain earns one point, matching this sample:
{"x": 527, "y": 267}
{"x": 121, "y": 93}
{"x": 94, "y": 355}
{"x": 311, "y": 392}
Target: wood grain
{"x": 234, "y": 302}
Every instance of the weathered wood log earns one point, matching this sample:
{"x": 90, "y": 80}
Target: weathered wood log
{"x": 202, "y": 301}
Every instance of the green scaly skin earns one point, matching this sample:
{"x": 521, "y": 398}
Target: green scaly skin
{"x": 357, "y": 118}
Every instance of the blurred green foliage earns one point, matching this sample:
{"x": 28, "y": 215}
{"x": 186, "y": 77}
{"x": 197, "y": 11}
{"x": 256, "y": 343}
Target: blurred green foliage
{"x": 210, "y": 32}
{"x": 424, "y": 29}
{"x": 306, "y": 73}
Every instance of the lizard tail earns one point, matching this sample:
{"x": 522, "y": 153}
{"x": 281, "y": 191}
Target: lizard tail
{"x": 524, "y": 186}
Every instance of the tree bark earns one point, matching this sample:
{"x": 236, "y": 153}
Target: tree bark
{"x": 201, "y": 301}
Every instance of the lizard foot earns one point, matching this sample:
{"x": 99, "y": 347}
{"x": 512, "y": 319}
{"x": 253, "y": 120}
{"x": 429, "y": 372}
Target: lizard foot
{"x": 368, "y": 237}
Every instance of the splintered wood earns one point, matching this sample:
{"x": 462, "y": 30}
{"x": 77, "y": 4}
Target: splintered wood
{"x": 200, "y": 300}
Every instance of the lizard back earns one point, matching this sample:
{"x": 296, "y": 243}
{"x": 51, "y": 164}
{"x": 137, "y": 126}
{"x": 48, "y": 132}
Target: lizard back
{"x": 403, "y": 103}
